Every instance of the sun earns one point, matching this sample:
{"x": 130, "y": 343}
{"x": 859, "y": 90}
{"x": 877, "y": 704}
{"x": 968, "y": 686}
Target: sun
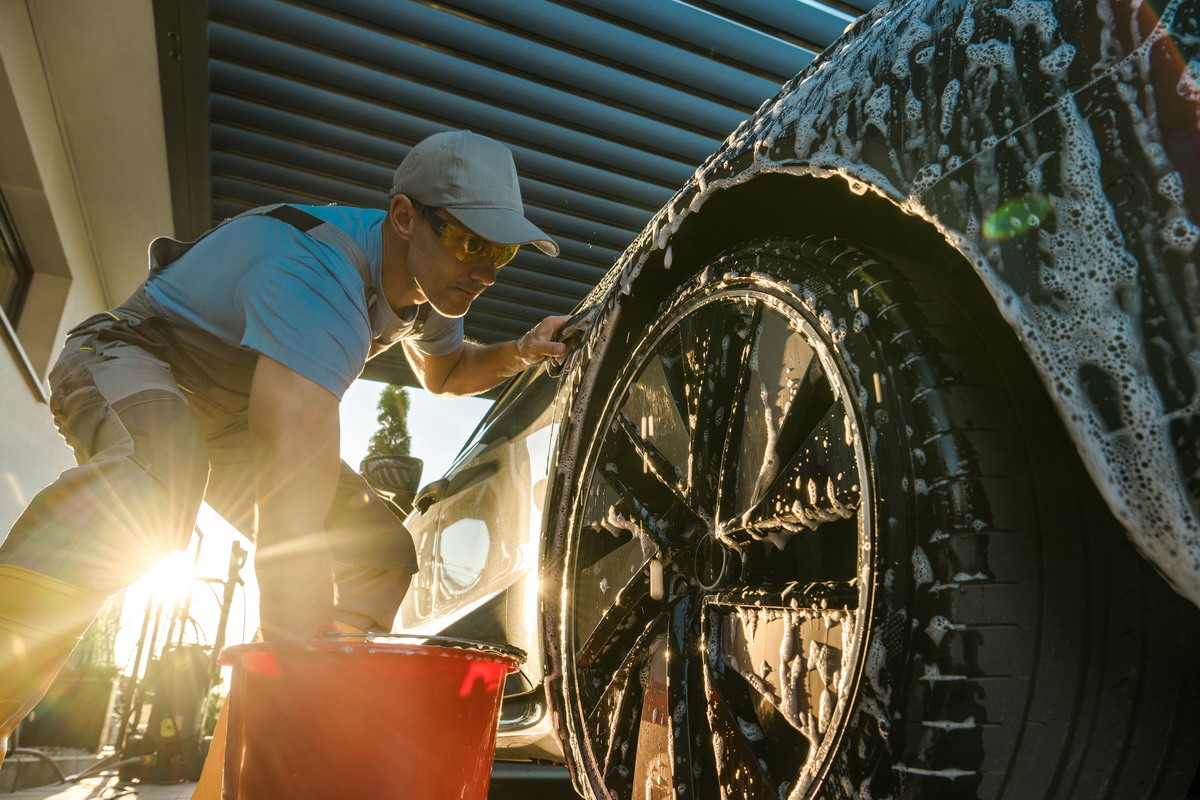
{"x": 169, "y": 581}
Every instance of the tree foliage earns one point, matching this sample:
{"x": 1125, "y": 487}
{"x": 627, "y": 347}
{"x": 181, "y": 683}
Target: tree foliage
{"x": 392, "y": 437}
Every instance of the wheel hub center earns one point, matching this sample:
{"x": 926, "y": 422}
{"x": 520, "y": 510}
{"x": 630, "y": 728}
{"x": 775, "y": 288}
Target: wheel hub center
{"x": 713, "y": 562}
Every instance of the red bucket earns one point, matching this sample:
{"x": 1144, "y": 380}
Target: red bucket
{"x": 363, "y": 720}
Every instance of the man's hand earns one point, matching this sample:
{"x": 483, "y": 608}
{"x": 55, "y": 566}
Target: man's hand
{"x": 476, "y": 368}
{"x": 539, "y": 343}
{"x": 294, "y": 428}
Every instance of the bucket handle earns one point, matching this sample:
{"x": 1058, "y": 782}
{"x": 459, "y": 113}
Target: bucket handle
{"x": 441, "y": 641}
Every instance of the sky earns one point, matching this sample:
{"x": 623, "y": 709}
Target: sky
{"x": 438, "y": 427}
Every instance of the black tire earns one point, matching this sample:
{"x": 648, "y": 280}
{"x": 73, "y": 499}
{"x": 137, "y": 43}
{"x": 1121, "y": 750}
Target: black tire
{"x": 947, "y": 589}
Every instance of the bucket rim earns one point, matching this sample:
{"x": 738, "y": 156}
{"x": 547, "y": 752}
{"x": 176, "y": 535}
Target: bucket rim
{"x": 512, "y": 657}
{"x": 454, "y": 642}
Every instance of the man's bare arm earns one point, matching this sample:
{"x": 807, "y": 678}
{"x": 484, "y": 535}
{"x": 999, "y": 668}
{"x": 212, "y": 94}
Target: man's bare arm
{"x": 475, "y": 368}
{"x": 294, "y": 428}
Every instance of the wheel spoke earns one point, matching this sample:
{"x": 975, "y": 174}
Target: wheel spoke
{"x": 695, "y": 336}
{"x": 609, "y": 590}
{"x": 654, "y": 508}
{"x": 690, "y": 737}
{"x": 808, "y": 407}
{"x": 660, "y": 478}
{"x": 819, "y": 485}
{"x": 740, "y": 772}
{"x": 615, "y": 717}
{"x": 601, "y": 531}
{"x": 599, "y": 542}
{"x": 785, "y": 399}
{"x": 738, "y": 378}
{"x": 618, "y": 699}
{"x": 775, "y": 672}
{"x": 716, "y": 345}
{"x": 834, "y": 596}
{"x": 620, "y": 625}
{"x": 657, "y": 406}
{"x": 610, "y": 555}
{"x": 737, "y": 733}
{"x": 653, "y": 773}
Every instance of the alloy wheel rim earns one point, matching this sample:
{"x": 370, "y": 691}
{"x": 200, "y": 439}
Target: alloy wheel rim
{"x": 721, "y": 572}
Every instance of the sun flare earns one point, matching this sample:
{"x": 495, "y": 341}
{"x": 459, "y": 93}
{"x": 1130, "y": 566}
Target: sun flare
{"x": 169, "y": 581}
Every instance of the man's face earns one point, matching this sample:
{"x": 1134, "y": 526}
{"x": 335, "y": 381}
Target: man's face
{"x": 450, "y": 285}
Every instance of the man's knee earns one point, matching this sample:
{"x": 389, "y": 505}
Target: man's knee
{"x": 363, "y": 530}
{"x": 100, "y": 525}
{"x": 369, "y": 598}
{"x": 133, "y": 498}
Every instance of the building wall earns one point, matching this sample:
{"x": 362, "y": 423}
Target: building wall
{"x": 83, "y": 171}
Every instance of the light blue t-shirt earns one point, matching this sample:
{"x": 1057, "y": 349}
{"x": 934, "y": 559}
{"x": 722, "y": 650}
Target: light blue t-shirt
{"x": 262, "y": 285}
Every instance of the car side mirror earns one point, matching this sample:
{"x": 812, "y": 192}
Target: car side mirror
{"x": 394, "y": 477}
{"x": 429, "y": 495}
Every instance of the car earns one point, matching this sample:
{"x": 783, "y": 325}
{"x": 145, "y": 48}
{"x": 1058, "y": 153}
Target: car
{"x": 875, "y": 472}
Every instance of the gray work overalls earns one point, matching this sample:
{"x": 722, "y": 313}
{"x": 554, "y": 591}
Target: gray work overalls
{"x": 156, "y": 427}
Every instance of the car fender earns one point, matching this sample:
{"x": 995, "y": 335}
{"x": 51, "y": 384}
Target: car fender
{"x": 1054, "y": 146}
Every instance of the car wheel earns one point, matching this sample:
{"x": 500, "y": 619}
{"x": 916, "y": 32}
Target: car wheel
{"x": 818, "y": 534}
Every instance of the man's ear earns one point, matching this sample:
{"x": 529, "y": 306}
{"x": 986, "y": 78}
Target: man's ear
{"x": 402, "y": 216}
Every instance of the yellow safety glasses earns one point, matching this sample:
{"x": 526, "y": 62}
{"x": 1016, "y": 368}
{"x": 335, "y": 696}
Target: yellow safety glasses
{"x": 464, "y": 245}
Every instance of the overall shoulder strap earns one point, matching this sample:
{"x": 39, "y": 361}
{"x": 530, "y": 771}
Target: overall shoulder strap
{"x": 318, "y": 228}
{"x": 164, "y": 251}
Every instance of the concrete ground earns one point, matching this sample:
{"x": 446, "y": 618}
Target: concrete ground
{"x": 23, "y": 770}
{"x": 108, "y": 788}
{"x": 510, "y": 782}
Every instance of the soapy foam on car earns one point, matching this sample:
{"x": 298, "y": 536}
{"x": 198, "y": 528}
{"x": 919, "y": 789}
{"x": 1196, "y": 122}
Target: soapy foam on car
{"x": 1134, "y": 465}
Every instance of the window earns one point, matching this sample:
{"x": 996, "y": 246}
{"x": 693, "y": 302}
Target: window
{"x": 15, "y": 272}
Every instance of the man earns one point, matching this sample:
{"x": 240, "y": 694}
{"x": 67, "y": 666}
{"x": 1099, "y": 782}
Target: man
{"x": 220, "y": 379}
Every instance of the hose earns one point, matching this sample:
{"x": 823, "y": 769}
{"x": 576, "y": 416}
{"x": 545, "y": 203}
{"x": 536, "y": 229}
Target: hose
{"x": 25, "y": 751}
{"x": 106, "y": 764}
